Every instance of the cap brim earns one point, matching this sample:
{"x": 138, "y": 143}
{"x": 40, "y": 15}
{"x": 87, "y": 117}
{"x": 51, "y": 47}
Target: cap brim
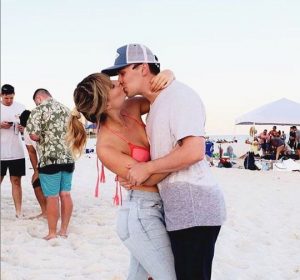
{"x": 114, "y": 70}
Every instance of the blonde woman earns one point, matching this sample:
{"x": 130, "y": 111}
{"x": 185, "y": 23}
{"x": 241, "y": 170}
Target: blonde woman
{"x": 121, "y": 141}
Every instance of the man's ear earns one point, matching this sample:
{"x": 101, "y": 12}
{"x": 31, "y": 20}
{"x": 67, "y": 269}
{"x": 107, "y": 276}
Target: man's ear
{"x": 145, "y": 69}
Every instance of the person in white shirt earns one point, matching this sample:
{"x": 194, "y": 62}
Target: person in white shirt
{"x": 12, "y": 153}
{"x": 32, "y": 152}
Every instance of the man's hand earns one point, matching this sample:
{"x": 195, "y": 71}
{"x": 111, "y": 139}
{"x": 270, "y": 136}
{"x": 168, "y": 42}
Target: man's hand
{"x": 138, "y": 173}
{"x": 6, "y": 125}
{"x": 20, "y": 128}
{"x": 35, "y": 176}
{"x": 34, "y": 137}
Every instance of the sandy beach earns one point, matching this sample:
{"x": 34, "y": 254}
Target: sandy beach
{"x": 260, "y": 239}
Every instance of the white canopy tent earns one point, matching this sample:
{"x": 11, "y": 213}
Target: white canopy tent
{"x": 280, "y": 112}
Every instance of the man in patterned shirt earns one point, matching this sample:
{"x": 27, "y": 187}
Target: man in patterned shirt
{"x": 47, "y": 126}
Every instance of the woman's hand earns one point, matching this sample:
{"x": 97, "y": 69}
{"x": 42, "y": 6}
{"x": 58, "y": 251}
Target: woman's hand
{"x": 138, "y": 173}
{"x": 162, "y": 80}
{"x": 125, "y": 183}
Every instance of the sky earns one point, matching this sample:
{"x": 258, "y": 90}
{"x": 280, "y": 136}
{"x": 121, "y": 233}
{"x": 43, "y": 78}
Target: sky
{"x": 237, "y": 55}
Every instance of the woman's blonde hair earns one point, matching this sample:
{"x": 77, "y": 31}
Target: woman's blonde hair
{"x": 90, "y": 98}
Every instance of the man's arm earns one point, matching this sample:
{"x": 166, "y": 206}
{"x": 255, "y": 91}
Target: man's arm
{"x": 34, "y": 137}
{"x": 34, "y": 161}
{"x": 33, "y": 126}
{"x": 154, "y": 179}
{"x": 190, "y": 151}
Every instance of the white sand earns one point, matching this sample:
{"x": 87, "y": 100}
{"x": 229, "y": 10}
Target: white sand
{"x": 260, "y": 239}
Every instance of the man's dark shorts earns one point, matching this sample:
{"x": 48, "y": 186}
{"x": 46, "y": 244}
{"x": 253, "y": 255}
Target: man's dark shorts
{"x": 16, "y": 167}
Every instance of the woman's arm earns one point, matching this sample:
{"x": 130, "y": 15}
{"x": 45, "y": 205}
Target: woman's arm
{"x": 151, "y": 181}
{"x": 114, "y": 160}
{"x": 119, "y": 163}
{"x": 140, "y": 104}
{"x": 34, "y": 161}
{"x": 162, "y": 80}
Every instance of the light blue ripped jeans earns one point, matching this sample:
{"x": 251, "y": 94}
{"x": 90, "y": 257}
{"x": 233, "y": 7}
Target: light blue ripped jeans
{"x": 142, "y": 229}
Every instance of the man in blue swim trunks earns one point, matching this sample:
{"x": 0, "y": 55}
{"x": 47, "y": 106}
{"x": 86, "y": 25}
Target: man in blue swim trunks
{"x": 47, "y": 125}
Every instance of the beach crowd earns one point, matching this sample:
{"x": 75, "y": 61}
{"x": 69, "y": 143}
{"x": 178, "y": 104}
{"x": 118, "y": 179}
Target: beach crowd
{"x": 275, "y": 144}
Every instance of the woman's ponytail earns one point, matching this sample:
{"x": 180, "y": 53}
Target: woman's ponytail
{"x": 76, "y": 135}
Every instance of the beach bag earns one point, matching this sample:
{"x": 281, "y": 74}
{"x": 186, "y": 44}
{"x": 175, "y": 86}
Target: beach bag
{"x": 249, "y": 162}
{"x": 225, "y": 162}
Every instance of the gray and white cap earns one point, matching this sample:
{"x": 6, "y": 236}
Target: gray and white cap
{"x": 131, "y": 54}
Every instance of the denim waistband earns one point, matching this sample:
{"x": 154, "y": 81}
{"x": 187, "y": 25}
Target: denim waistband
{"x": 137, "y": 194}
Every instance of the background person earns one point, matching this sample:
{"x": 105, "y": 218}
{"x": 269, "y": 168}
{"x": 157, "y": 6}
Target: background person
{"x": 35, "y": 181}
{"x": 297, "y": 131}
{"x": 264, "y": 141}
{"x": 273, "y": 132}
{"x": 47, "y": 125}
{"x": 278, "y": 146}
{"x": 12, "y": 153}
{"x": 292, "y": 137}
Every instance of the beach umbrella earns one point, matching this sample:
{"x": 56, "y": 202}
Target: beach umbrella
{"x": 280, "y": 112}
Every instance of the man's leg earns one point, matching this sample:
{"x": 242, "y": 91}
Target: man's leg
{"x": 40, "y": 197}
{"x": 178, "y": 239}
{"x": 17, "y": 193}
{"x": 50, "y": 185}
{"x": 66, "y": 212}
{"x": 3, "y": 169}
{"x": 278, "y": 151}
{"x": 41, "y": 200}
{"x": 66, "y": 201}
{"x": 194, "y": 251}
{"x": 52, "y": 216}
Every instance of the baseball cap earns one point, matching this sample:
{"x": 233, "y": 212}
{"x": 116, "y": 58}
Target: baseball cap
{"x": 7, "y": 89}
{"x": 131, "y": 54}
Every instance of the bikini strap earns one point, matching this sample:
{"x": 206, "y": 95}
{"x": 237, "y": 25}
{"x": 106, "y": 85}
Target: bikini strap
{"x": 134, "y": 119}
{"x": 100, "y": 179}
{"x": 117, "y": 199}
{"x": 117, "y": 134}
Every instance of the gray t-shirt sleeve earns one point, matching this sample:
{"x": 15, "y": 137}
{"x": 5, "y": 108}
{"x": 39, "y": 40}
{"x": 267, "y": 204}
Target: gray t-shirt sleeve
{"x": 187, "y": 115}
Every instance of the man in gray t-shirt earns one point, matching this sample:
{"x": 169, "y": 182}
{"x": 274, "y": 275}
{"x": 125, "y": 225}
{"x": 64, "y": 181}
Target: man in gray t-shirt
{"x": 193, "y": 201}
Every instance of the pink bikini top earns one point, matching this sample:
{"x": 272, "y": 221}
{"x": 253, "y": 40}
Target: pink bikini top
{"x": 138, "y": 153}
